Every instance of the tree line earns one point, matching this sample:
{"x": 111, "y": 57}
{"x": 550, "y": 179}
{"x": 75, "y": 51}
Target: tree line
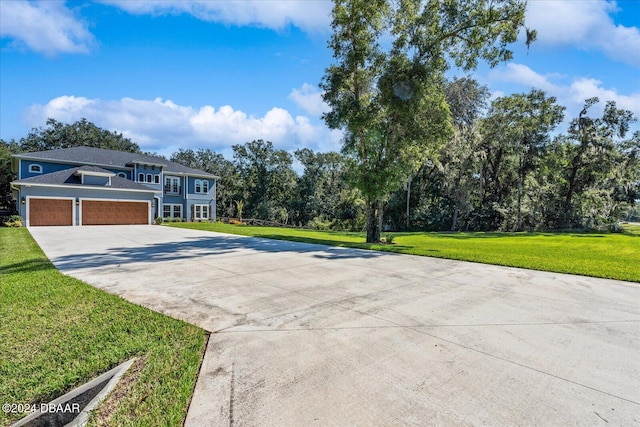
{"x": 505, "y": 167}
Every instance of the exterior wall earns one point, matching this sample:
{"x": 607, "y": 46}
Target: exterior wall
{"x": 127, "y": 173}
{"x": 194, "y": 198}
{"x": 48, "y": 167}
{"x": 95, "y": 180}
{"x": 191, "y": 184}
{"x": 77, "y": 194}
{"x": 147, "y": 170}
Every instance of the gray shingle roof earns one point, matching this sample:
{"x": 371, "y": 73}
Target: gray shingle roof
{"x": 102, "y": 157}
{"x": 69, "y": 177}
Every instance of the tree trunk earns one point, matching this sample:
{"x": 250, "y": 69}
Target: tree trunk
{"x": 454, "y": 223}
{"x": 373, "y": 221}
{"x": 519, "y": 225}
{"x": 407, "y": 223}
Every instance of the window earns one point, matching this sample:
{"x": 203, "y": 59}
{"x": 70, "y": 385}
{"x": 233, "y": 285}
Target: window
{"x": 122, "y": 174}
{"x": 35, "y": 168}
{"x": 140, "y": 177}
{"x": 171, "y": 211}
{"x": 171, "y": 185}
{"x": 201, "y": 186}
{"x": 200, "y": 212}
{"x": 149, "y": 177}
{"x": 156, "y": 179}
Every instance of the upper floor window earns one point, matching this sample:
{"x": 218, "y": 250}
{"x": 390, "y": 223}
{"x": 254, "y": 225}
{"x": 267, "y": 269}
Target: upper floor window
{"x": 172, "y": 184}
{"x": 122, "y": 174}
{"x": 35, "y": 168}
{"x": 140, "y": 177}
{"x": 149, "y": 177}
{"x": 201, "y": 186}
{"x": 156, "y": 179}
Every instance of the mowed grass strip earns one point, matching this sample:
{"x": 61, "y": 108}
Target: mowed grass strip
{"x": 605, "y": 255}
{"x": 57, "y": 332}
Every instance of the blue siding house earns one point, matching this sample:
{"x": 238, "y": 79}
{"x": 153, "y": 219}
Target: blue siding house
{"x": 93, "y": 186}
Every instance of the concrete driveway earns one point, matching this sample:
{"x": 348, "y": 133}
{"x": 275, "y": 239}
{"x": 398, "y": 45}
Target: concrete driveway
{"x": 315, "y": 335}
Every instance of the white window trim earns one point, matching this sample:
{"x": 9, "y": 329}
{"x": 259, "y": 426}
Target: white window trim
{"x": 202, "y": 183}
{"x": 141, "y": 175}
{"x": 149, "y": 178}
{"x": 172, "y": 179}
{"x": 202, "y": 207}
{"x": 172, "y": 210}
{"x": 35, "y": 165}
{"x": 122, "y": 175}
{"x": 156, "y": 179}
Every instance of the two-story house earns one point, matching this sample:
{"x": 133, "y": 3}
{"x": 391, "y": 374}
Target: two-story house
{"x": 93, "y": 186}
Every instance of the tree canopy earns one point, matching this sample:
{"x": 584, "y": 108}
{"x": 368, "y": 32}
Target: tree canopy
{"x": 389, "y": 100}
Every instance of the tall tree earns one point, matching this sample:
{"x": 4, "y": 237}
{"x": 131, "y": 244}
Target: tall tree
{"x": 7, "y": 149}
{"x": 320, "y": 187}
{"x": 522, "y": 125}
{"x": 268, "y": 180}
{"x": 390, "y": 103}
{"x": 61, "y": 135}
{"x": 595, "y": 147}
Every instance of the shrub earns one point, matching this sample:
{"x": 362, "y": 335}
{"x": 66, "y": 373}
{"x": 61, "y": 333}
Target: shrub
{"x": 318, "y": 223}
{"x": 14, "y": 221}
{"x": 158, "y": 221}
{"x": 389, "y": 238}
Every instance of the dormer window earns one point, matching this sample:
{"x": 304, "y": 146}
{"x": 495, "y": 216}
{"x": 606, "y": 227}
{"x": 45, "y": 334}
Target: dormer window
{"x": 35, "y": 168}
{"x": 122, "y": 174}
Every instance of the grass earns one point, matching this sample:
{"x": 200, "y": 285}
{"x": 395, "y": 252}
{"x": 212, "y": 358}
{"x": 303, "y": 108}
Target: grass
{"x": 606, "y": 255}
{"x": 57, "y": 332}
{"x": 631, "y": 227}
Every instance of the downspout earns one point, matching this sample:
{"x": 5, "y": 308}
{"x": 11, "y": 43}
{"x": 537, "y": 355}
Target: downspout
{"x": 186, "y": 197}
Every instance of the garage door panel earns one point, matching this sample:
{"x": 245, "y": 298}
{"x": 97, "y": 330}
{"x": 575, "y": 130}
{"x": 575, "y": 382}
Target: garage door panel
{"x": 50, "y": 212}
{"x": 104, "y": 212}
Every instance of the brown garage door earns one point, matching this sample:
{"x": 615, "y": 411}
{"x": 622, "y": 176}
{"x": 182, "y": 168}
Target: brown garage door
{"x": 101, "y": 212}
{"x": 50, "y": 212}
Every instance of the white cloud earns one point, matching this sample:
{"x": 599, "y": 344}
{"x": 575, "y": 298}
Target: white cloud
{"x": 584, "y": 25}
{"x": 158, "y": 124}
{"x": 309, "y": 15}
{"x": 309, "y": 98}
{"x": 46, "y": 27}
{"x": 569, "y": 94}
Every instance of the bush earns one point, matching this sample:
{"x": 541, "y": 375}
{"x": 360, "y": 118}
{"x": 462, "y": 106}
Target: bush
{"x": 14, "y": 221}
{"x": 318, "y": 223}
{"x": 389, "y": 238}
{"x": 158, "y": 221}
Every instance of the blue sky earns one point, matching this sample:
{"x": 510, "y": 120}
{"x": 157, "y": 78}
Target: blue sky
{"x": 210, "y": 74}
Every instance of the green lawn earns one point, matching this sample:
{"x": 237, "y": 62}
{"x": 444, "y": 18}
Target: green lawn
{"x": 608, "y": 255}
{"x": 57, "y": 332}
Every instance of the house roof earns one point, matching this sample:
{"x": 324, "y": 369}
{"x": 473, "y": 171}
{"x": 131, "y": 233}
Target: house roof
{"x": 110, "y": 158}
{"x": 71, "y": 177}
